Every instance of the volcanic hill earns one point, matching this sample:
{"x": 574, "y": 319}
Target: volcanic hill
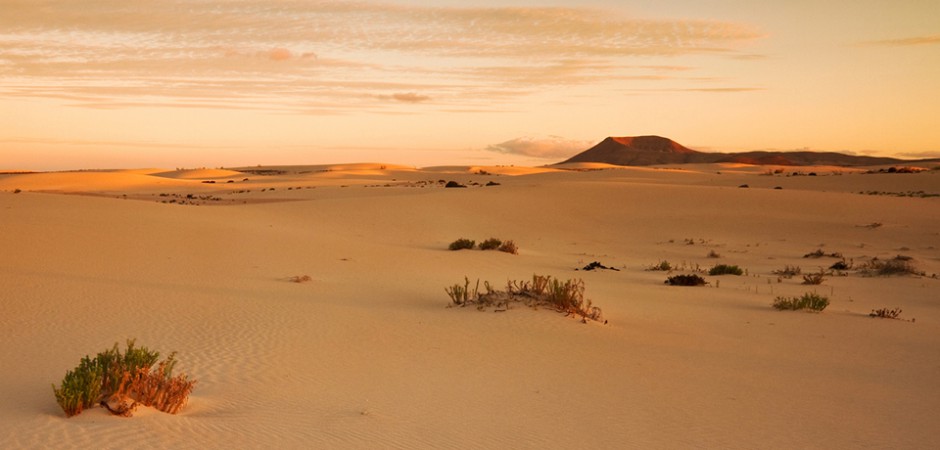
{"x": 656, "y": 150}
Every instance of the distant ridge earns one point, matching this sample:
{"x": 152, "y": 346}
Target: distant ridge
{"x": 656, "y": 150}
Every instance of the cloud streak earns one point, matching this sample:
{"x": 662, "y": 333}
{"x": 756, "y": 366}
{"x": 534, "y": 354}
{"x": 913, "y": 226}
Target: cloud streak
{"x": 335, "y": 54}
{"x": 906, "y": 42}
{"x": 552, "y": 147}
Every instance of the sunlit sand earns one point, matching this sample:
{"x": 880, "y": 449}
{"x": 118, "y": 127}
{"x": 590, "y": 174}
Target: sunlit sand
{"x": 367, "y": 354}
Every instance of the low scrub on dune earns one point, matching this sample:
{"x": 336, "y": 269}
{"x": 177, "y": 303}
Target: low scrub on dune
{"x": 685, "y": 280}
{"x": 462, "y": 244}
{"x": 489, "y": 244}
{"x": 542, "y": 291}
{"x": 120, "y": 382}
{"x": 810, "y": 301}
{"x": 725, "y": 269}
{"x": 885, "y": 313}
{"x": 899, "y": 265}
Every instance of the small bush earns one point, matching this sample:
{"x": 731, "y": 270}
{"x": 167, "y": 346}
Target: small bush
{"x": 724, "y": 269}
{"x": 713, "y": 254}
{"x": 462, "y": 244}
{"x": 685, "y": 280}
{"x": 810, "y": 300}
{"x": 814, "y": 278}
{"x": 490, "y": 244}
{"x": 819, "y": 253}
{"x": 509, "y": 247}
{"x": 899, "y": 265}
{"x": 17, "y": 191}
{"x": 542, "y": 291}
{"x": 300, "y": 278}
{"x": 886, "y": 313}
{"x": 662, "y": 265}
{"x": 112, "y": 378}
{"x": 788, "y": 271}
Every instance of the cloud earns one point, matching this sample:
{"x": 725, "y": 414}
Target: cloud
{"x": 906, "y": 42}
{"x": 921, "y": 155}
{"x": 550, "y": 148}
{"x": 341, "y": 54}
{"x": 406, "y": 97}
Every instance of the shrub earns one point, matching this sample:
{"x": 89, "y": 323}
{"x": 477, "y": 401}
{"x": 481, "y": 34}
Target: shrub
{"x": 545, "y": 291}
{"x": 788, "y": 271}
{"x": 685, "y": 280}
{"x": 490, "y": 244}
{"x": 123, "y": 379}
{"x": 662, "y": 265}
{"x": 461, "y": 244}
{"x": 17, "y": 191}
{"x": 814, "y": 278}
{"x": 809, "y": 300}
{"x": 899, "y": 265}
{"x": 724, "y": 269}
{"x": 509, "y": 247}
{"x": 713, "y": 254}
{"x": 819, "y": 253}
{"x": 886, "y": 313}
{"x": 300, "y": 278}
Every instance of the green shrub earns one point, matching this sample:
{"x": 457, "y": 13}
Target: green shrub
{"x": 462, "y": 244}
{"x": 724, "y": 269}
{"x": 685, "y": 280}
{"x": 809, "y": 300}
{"x": 490, "y": 244}
{"x": 123, "y": 379}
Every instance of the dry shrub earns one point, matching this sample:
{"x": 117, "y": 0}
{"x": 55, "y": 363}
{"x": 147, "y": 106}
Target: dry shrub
{"x": 685, "y": 280}
{"x": 300, "y": 278}
{"x": 541, "y": 291}
{"x": 509, "y": 247}
{"x": 810, "y": 300}
{"x": 119, "y": 381}
{"x": 662, "y": 265}
{"x": 462, "y": 244}
{"x": 886, "y": 313}
{"x": 788, "y": 271}
{"x": 490, "y": 244}
{"x": 899, "y": 265}
{"x": 814, "y": 278}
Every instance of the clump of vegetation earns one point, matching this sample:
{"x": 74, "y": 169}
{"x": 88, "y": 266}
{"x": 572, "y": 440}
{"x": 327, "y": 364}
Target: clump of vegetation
{"x": 725, "y": 269}
{"x": 685, "y": 280}
{"x": 810, "y": 300}
{"x": 662, "y": 265}
{"x": 462, "y": 244}
{"x": 543, "y": 291}
{"x": 899, "y": 265}
{"x": 713, "y": 254}
{"x": 300, "y": 278}
{"x": 886, "y": 313}
{"x": 815, "y": 278}
{"x": 17, "y": 191}
{"x": 842, "y": 265}
{"x": 490, "y": 244}
{"x": 509, "y": 247}
{"x": 819, "y": 253}
{"x": 120, "y": 381}
{"x": 788, "y": 271}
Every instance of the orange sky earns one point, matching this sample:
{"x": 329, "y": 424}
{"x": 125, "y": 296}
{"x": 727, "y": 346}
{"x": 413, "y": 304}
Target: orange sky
{"x": 108, "y": 83}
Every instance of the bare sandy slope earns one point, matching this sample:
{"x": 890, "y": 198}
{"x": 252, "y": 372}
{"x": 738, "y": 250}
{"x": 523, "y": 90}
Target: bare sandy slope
{"x": 367, "y": 354}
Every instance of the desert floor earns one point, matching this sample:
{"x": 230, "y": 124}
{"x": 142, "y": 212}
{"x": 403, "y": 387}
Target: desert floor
{"x": 368, "y": 354}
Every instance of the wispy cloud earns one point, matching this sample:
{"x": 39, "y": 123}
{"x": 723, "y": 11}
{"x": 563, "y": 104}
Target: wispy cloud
{"x": 549, "y": 147}
{"x": 905, "y": 42}
{"x": 336, "y": 55}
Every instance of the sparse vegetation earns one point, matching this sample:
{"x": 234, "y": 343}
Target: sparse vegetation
{"x": 819, "y": 253}
{"x": 810, "y": 300}
{"x": 663, "y": 265}
{"x": 17, "y": 191}
{"x": 509, "y": 247}
{"x": 815, "y": 278}
{"x": 685, "y": 280}
{"x": 542, "y": 291}
{"x": 462, "y": 244}
{"x": 713, "y": 254}
{"x": 300, "y": 278}
{"x": 120, "y": 381}
{"x": 886, "y": 313}
{"x": 725, "y": 269}
{"x": 899, "y": 265}
{"x": 788, "y": 271}
{"x": 490, "y": 244}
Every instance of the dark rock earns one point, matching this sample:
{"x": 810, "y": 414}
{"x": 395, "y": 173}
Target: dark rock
{"x": 454, "y": 184}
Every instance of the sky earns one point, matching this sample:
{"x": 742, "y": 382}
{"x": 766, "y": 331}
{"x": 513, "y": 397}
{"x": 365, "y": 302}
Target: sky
{"x": 212, "y": 83}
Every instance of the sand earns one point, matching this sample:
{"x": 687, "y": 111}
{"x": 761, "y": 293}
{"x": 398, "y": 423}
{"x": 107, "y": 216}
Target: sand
{"x": 368, "y": 355}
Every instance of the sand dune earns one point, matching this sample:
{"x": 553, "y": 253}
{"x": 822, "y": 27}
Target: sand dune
{"x": 194, "y": 174}
{"x": 367, "y": 354}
